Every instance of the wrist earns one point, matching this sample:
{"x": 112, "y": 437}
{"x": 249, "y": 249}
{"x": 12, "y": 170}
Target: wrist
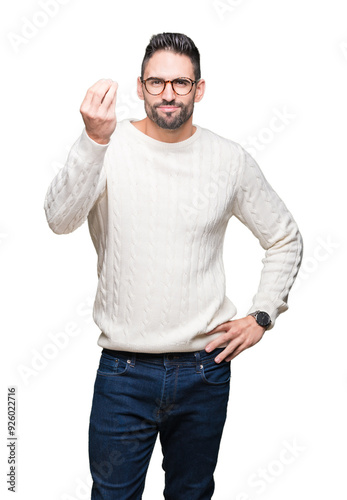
{"x": 98, "y": 139}
{"x": 262, "y": 318}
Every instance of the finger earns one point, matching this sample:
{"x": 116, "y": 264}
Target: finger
{"x": 100, "y": 82}
{"x": 100, "y": 92}
{"x": 96, "y": 93}
{"x": 235, "y": 353}
{"x": 222, "y": 339}
{"x": 229, "y": 352}
{"x": 111, "y": 82}
{"x": 223, "y": 355}
{"x": 110, "y": 96}
{"x": 221, "y": 327}
{"x": 91, "y": 91}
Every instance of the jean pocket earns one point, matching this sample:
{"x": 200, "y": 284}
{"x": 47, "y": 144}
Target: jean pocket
{"x": 213, "y": 373}
{"x": 110, "y": 366}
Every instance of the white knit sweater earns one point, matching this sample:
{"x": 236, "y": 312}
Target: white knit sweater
{"x": 157, "y": 215}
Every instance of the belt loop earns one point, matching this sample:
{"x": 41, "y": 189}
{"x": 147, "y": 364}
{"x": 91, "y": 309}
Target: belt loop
{"x": 197, "y": 359}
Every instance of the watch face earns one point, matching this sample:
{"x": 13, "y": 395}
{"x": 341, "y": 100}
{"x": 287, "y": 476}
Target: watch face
{"x": 263, "y": 319}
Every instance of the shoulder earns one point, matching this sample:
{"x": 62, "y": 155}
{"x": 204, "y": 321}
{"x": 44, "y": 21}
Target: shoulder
{"x": 222, "y": 142}
{"x": 122, "y": 137}
{"x": 122, "y": 125}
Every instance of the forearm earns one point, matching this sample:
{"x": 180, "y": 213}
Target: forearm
{"x": 259, "y": 207}
{"x": 77, "y": 186}
{"x": 281, "y": 264}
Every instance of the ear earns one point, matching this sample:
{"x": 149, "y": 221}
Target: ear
{"x": 140, "y": 89}
{"x": 200, "y": 90}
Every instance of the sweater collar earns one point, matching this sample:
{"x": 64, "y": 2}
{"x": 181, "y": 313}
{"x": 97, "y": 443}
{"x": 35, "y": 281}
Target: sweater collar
{"x": 172, "y": 146}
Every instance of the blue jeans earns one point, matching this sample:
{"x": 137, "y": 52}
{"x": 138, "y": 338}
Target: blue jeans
{"x": 182, "y": 396}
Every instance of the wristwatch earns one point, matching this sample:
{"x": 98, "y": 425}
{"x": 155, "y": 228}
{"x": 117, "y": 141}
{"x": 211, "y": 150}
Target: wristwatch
{"x": 262, "y": 318}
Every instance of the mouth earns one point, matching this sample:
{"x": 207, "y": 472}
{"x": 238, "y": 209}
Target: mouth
{"x": 167, "y": 109}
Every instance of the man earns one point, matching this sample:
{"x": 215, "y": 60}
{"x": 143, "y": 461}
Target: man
{"x": 158, "y": 194}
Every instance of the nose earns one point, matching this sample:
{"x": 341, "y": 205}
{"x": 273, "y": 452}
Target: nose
{"x": 168, "y": 94}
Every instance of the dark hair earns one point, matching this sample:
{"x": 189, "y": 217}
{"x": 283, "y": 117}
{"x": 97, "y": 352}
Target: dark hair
{"x": 178, "y": 43}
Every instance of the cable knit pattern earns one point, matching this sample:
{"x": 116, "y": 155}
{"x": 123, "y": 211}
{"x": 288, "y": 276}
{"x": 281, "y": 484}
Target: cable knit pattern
{"x": 157, "y": 214}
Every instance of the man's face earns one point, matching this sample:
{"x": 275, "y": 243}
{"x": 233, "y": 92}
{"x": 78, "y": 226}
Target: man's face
{"x": 168, "y": 110}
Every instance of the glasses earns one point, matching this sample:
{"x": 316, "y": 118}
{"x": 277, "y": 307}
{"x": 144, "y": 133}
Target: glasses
{"x": 156, "y": 86}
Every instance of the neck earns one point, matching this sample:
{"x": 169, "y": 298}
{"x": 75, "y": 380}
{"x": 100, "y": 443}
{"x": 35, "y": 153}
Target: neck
{"x": 148, "y": 127}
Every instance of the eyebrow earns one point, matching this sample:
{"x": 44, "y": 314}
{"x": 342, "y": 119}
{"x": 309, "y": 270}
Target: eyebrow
{"x": 162, "y": 78}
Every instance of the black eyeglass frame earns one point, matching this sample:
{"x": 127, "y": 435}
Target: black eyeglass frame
{"x": 169, "y": 81}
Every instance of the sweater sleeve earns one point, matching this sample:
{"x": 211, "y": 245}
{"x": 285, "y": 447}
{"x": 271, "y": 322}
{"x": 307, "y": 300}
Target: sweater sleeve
{"x": 258, "y": 206}
{"x": 77, "y": 186}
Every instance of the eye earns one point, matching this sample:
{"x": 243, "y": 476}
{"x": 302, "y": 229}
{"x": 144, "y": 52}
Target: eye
{"x": 155, "y": 82}
{"x": 181, "y": 82}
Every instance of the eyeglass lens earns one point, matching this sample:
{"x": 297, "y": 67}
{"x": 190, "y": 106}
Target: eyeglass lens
{"x": 181, "y": 86}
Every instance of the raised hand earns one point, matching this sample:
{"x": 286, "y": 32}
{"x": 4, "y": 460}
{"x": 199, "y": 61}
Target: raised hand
{"x": 98, "y": 110}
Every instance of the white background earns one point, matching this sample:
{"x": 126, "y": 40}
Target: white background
{"x": 259, "y": 59}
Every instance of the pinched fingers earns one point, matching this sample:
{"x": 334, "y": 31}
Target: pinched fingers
{"x": 109, "y": 99}
{"x": 98, "y": 110}
{"x": 95, "y": 95}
